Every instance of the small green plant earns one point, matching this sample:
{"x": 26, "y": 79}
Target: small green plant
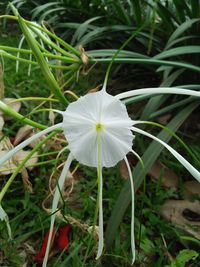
{"x": 183, "y": 258}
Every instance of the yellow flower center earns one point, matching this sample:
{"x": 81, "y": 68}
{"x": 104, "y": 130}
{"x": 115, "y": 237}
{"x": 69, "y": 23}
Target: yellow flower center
{"x": 99, "y": 127}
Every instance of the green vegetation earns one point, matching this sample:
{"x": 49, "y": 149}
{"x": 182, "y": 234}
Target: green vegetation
{"x": 66, "y": 57}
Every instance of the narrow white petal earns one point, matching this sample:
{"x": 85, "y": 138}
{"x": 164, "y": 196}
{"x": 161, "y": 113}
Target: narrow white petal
{"x": 101, "y": 238}
{"x": 161, "y": 90}
{"x": 3, "y": 214}
{"x": 27, "y": 142}
{"x": 132, "y": 209}
{"x": 56, "y": 198}
{"x": 195, "y": 173}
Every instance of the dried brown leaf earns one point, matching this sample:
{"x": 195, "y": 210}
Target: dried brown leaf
{"x": 26, "y": 181}
{"x": 173, "y": 211}
{"x": 23, "y": 133}
{"x": 123, "y": 169}
{"x": 164, "y": 119}
{"x": 169, "y": 178}
{"x": 191, "y": 188}
{"x": 1, "y": 123}
{"x": 26, "y": 132}
{"x": 14, "y": 105}
{"x": 10, "y": 165}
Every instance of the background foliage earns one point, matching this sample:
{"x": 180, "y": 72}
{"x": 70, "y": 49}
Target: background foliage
{"x": 165, "y": 52}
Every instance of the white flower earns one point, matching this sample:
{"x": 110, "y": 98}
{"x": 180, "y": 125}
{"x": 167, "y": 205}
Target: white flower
{"x": 100, "y": 134}
{"x": 98, "y": 116}
{"x": 97, "y": 127}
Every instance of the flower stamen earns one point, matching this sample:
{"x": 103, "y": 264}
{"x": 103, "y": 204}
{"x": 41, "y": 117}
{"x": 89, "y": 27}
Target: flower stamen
{"x": 99, "y": 127}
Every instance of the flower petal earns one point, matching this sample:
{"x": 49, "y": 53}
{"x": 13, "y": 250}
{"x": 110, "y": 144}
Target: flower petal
{"x": 161, "y": 90}
{"x": 132, "y": 210}
{"x": 195, "y": 173}
{"x": 55, "y": 205}
{"x": 101, "y": 238}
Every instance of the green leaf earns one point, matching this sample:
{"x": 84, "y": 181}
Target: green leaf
{"x": 180, "y": 30}
{"x": 145, "y": 62}
{"x": 190, "y": 49}
{"x": 40, "y": 9}
{"x": 183, "y": 257}
{"x": 51, "y": 81}
{"x": 137, "y": 11}
{"x": 110, "y": 52}
{"x": 82, "y": 29}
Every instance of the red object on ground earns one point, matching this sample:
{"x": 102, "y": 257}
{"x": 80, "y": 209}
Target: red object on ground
{"x": 40, "y": 255}
{"x": 62, "y": 239}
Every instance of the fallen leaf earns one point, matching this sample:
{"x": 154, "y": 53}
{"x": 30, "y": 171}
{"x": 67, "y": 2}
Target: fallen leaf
{"x": 1, "y": 123}
{"x": 164, "y": 119}
{"x": 14, "y": 105}
{"x": 25, "y": 178}
{"x": 169, "y": 178}
{"x": 23, "y": 133}
{"x": 26, "y": 132}
{"x": 178, "y": 212}
{"x": 123, "y": 168}
{"x": 5, "y": 143}
{"x": 10, "y": 165}
{"x": 191, "y": 188}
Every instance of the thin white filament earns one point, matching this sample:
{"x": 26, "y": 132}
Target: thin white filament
{"x": 55, "y": 204}
{"x": 18, "y": 53}
{"x": 161, "y": 90}
{"x": 195, "y": 173}
{"x": 27, "y": 142}
{"x": 29, "y": 66}
{"x": 132, "y": 209}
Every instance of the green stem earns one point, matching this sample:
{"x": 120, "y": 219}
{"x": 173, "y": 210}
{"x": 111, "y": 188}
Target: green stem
{"x": 62, "y": 42}
{"x": 50, "y": 43}
{"x": 142, "y": 61}
{"x": 51, "y": 81}
{"x": 9, "y": 111}
{"x": 113, "y": 59}
{"x": 47, "y": 54}
{"x": 34, "y": 99}
{"x": 14, "y": 49}
{"x": 21, "y": 165}
{"x": 71, "y": 67}
{"x": 173, "y": 134}
{"x": 5, "y": 54}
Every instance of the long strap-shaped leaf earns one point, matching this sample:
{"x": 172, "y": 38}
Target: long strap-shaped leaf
{"x": 51, "y": 81}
